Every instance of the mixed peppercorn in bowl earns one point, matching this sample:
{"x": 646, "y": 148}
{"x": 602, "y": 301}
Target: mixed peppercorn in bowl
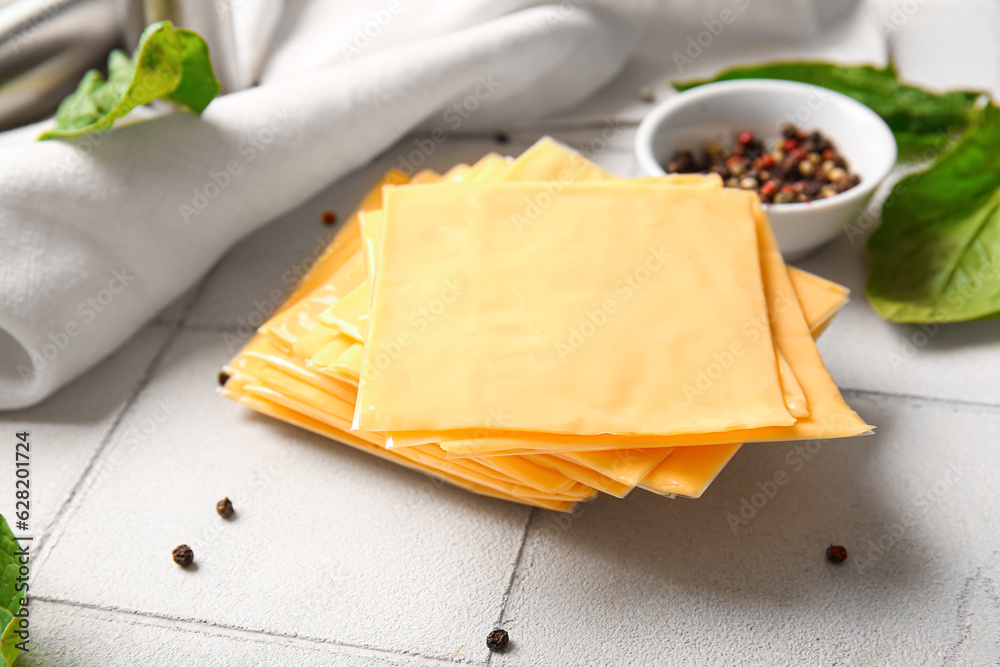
{"x": 814, "y": 156}
{"x": 795, "y": 167}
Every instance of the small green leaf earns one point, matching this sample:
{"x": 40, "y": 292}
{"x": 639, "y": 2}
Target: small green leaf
{"x": 936, "y": 256}
{"x": 919, "y": 118}
{"x": 168, "y": 63}
{"x": 198, "y": 86}
{"x": 10, "y": 597}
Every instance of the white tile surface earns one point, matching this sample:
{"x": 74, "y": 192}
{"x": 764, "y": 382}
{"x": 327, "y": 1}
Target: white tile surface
{"x": 70, "y": 636}
{"x": 328, "y": 542}
{"x": 69, "y": 428}
{"x": 652, "y": 581}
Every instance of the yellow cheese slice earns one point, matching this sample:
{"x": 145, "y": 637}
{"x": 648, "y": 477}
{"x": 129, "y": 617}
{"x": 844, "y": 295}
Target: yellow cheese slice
{"x": 407, "y": 460}
{"x": 327, "y": 360}
{"x": 288, "y": 392}
{"x": 287, "y": 385}
{"x": 795, "y": 397}
{"x": 530, "y": 473}
{"x": 294, "y": 321}
{"x": 814, "y": 291}
{"x": 350, "y": 313}
{"x": 640, "y": 299}
{"x": 347, "y": 366}
{"x": 830, "y": 418}
{"x": 693, "y": 469}
{"x": 317, "y": 338}
{"x": 425, "y": 176}
{"x": 553, "y": 157}
{"x": 582, "y": 474}
{"x": 488, "y": 168}
{"x": 456, "y": 174}
{"x": 346, "y": 243}
{"x": 317, "y": 404}
{"x": 691, "y": 472}
{"x": 273, "y": 358}
{"x": 549, "y": 160}
{"x": 820, "y": 299}
{"x": 371, "y": 236}
{"x": 626, "y": 466}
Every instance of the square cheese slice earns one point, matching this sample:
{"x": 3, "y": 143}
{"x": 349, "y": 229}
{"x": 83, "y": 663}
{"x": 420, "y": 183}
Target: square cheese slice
{"x": 829, "y": 416}
{"x": 570, "y": 308}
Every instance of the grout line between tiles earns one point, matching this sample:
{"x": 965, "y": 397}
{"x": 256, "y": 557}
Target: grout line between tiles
{"x": 513, "y": 575}
{"x": 51, "y": 535}
{"x": 196, "y": 626}
{"x": 917, "y": 397}
{"x": 50, "y": 538}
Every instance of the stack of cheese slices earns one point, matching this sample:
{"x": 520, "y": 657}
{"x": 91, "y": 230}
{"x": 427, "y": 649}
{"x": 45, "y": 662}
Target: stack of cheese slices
{"x": 537, "y": 330}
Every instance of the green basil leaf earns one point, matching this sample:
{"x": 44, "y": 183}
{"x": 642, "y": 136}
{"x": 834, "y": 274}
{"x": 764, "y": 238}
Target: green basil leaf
{"x": 936, "y": 255}
{"x": 198, "y": 85}
{"x": 168, "y": 63}
{"x": 918, "y": 118}
{"x": 10, "y": 598}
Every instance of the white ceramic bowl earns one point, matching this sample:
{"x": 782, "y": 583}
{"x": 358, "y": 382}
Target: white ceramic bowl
{"x": 717, "y": 111}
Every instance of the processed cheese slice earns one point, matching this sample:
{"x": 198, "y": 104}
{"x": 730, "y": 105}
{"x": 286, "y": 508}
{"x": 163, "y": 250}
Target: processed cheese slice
{"x": 795, "y": 397}
{"x": 346, "y": 243}
{"x": 692, "y": 472}
{"x": 348, "y": 365}
{"x": 275, "y": 359}
{"x": 350, "y": 313}
{"x": 482, "y": 485}
{"x": 283, "y": 390}
{"x": 488, "y": 168}
{"x": 627, "y": 466}
{"x": 582, "y": 474}
{"x": 548, "y": 159}
{"x": 688, "y": 471}
{"x": 318, "y": 338}
{"x": 427, "y": 455}
{"x": 687, "y": 474}
{"x": 821, "y": 299}
{"x": 830, "y": 416}
{"x": 641, "y": 298}
{"x": 280, "y": 381}
{"x": 531, "y": 473}
{"x": 327, "y": 360}
{"x": 796, "y": 393}
{"x": 371, "y": 235}
{"x": 299, "y": 318}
